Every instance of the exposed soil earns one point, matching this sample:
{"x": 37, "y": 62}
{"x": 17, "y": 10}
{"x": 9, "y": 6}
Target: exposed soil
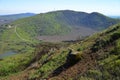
{"x": 87, "y": 62}
{"x": 75, "y": 34}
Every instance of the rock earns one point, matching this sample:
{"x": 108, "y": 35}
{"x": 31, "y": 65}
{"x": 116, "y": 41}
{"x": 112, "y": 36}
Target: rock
{"x": 73, "y": 57}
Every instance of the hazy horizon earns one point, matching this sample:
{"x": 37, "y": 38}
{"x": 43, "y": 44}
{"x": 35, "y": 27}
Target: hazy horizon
{"x": 106, "y": 7}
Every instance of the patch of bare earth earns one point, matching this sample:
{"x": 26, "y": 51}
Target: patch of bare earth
{"x": 87, "y": 62}
{"x": 75, "y": 34}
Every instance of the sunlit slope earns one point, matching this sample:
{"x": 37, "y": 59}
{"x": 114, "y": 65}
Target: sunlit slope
{"x": 63, "y": 22}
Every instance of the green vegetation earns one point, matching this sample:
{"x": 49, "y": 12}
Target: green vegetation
{"x": 107, "y": 48}
{"x": 43, "y": 24}
{"x": 46, "y": 69}
{"x": 15, "y": 63}
{"x": 10, "y": 41}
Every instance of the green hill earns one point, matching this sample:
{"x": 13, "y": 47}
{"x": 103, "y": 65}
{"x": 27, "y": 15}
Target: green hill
{"x": 63, "y": 22}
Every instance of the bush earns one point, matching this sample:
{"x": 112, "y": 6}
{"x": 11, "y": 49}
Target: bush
{"x": 97, "y": 75}
{"x": 115, "y": 36}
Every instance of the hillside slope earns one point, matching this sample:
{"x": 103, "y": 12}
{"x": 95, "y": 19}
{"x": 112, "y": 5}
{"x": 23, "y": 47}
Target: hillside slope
{"x": 95, "y": 58}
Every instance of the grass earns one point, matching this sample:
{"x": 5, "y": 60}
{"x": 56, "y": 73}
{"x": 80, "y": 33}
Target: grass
{"x": 9, "y": 41}
{"x": 45, "y": 70}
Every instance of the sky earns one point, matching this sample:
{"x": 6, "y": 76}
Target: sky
{"x": 107, "y": 7}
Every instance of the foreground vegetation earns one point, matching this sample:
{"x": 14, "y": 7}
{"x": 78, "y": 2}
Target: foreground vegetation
{"x": 10, "y": 42}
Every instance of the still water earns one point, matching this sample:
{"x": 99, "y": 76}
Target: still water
{"x": 7, "y": 54}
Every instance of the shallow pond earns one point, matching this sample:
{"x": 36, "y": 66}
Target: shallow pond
{"x": 7, "y": 54}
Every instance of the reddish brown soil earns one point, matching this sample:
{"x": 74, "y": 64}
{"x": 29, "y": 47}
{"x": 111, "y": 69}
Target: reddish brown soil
{"x": 88, "y": 62}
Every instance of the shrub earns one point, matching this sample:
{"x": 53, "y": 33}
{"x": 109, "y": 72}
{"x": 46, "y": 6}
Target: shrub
{"x": 115, "y": 36}
{"x": 94, "y": 74}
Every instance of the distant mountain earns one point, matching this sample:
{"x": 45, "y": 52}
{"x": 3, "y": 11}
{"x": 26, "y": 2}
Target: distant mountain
{"x": 63, "y": 22}
{"x": 116, "y": 17}
{"x": 16, "y": 16}
{"x": 12, "y": 17}
{"x": 98, "y": 21}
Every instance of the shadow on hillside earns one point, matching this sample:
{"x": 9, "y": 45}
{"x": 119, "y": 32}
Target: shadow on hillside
{"x": 69, "y": 63}
{"x": 60, "y": 69}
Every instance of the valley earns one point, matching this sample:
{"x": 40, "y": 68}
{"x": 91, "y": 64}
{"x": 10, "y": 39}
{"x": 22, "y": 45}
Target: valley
{"x": 76, "y": 34}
